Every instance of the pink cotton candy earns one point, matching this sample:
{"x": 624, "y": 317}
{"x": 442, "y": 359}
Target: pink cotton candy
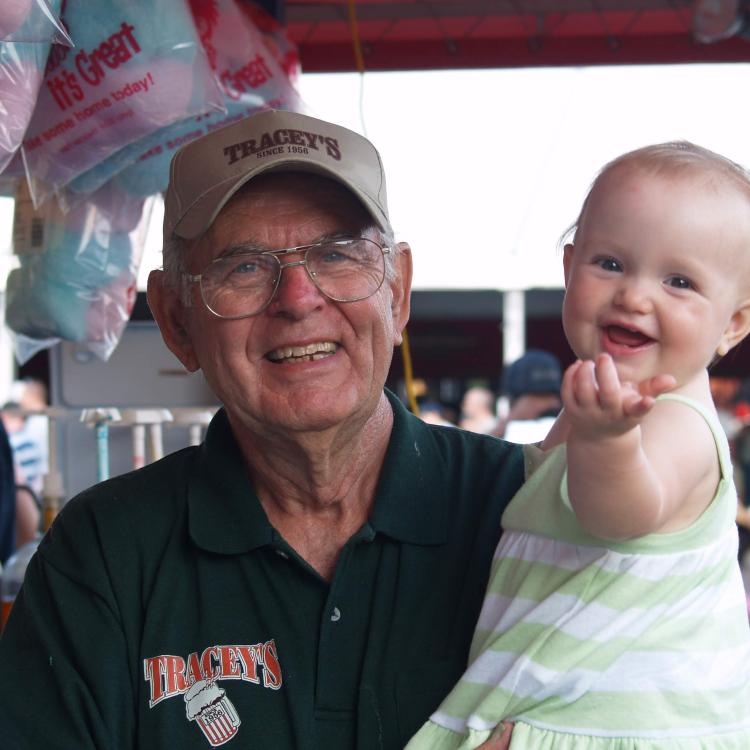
{"x": 12, "y": 14}
{"x": 132, "y": 102}
{"x": 157, "y": 93}
{"x": 136, "y": 69}
{"x": 109, "y": 311}
{"x": 19, "y": 85}
{"x": 110, "y": 210}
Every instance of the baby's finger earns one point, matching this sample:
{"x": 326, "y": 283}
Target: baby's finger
{"x": 585, "y": 388}
{"x": 657, "y": 385}
{"x": 638, "y": 406}
{"x": 567, "y": 392}
{"x": 610, "y": 389}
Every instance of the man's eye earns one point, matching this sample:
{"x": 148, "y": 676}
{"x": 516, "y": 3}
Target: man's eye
{"x": 679, "y": 282}
{"x": 333, "y": 256}
{"x": 339, "y": 253}
{"x": 246, "y": 266}
{"x": 608, "y": 264}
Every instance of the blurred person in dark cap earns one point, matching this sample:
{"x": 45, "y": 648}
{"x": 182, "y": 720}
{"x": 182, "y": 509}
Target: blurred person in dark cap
{"x": 532, "y": 386}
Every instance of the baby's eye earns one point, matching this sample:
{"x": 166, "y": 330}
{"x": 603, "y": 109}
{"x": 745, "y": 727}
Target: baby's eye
{"x": 679, "y": 282}
{"x": 608, "y": 264}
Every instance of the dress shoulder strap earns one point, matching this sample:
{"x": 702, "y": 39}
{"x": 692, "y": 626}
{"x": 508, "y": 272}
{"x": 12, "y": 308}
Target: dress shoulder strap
{"x": 712, "y": 420}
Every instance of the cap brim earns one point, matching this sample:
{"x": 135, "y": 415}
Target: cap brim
{"x": 199, "y": 216}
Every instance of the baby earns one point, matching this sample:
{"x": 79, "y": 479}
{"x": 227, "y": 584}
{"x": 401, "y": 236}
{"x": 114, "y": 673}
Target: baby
{"x": 615, "y": 615}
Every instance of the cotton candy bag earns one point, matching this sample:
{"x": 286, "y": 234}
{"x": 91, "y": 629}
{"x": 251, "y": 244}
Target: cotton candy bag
{"x": 22, "y": 65}
{"x": 136, "y": 68}
{"x": 246, "y": 71}
{"x": 32, "y": 21}
{"x": 78, "y": 271}
{"x": 276, "y": 39}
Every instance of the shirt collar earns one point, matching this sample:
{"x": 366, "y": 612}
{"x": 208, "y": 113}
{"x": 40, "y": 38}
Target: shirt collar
{"x": 411, "y": 502}
{"x": 225, "y": 514}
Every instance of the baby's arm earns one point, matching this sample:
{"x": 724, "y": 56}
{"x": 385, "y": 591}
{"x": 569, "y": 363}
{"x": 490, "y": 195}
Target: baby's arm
{"x": 632, "y": 469}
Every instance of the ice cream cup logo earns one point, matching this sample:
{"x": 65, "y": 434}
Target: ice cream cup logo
{"x": 213, "y": 712}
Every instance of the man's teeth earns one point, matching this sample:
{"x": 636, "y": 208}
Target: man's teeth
{"x": 309, "y": 352}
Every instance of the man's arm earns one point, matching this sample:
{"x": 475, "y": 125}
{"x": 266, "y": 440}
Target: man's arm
{"x": 500, "y": 737}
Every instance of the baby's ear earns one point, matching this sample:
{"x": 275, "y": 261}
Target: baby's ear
{"x": 736, "y": 330}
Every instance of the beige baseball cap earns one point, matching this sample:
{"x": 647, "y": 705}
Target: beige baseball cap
{"x": 208, "y": 171}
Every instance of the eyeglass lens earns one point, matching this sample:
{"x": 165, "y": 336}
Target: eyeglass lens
{"x": 243, "y": 284}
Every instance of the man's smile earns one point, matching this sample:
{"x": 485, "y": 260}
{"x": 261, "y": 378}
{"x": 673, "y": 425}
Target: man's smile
{"x": 309, "y": 352}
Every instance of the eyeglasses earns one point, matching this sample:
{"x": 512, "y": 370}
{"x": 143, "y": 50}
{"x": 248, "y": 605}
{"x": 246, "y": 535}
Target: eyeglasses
{"x": 243, "y": 284}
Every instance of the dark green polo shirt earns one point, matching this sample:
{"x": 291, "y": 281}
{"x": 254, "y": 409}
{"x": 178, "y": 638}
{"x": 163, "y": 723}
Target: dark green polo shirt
{"x": 163, "y": 610}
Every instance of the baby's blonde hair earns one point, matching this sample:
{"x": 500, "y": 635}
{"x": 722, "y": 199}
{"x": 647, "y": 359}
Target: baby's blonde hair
{"x": 673, "y": 158}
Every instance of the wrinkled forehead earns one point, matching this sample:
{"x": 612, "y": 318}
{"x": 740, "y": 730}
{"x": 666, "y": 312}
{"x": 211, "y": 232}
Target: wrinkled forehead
{"x": 285, "y": 209}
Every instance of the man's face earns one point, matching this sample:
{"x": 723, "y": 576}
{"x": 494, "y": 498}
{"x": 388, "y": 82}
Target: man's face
{"x": 261, "y": 367}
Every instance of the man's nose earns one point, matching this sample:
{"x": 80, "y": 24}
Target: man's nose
{"x": 296, "y": 294}
{"x": 633, "y": 294}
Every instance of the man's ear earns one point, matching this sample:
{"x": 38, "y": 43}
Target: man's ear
{"x": 169, "y": 313}
{"x": 401, "y": 289}
{"x": 567, "y": 261}
{"x": 736, "y": 330}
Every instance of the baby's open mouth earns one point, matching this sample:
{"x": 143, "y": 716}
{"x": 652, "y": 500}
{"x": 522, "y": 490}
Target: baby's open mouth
{"x": 626, "y": 336}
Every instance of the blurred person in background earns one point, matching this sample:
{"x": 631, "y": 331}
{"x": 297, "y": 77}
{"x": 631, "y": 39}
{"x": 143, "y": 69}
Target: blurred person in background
{"x": 532, "y": 386}
{"x": 478, "y": 410}
{"x": 28, "y": 431}
{"x": 7, "y": 498}
{"x": 26, "y": 466}
{"x": 433, "y": 412}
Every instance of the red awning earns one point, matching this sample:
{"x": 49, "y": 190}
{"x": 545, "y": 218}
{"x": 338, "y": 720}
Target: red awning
{"x": 500, "y": 33}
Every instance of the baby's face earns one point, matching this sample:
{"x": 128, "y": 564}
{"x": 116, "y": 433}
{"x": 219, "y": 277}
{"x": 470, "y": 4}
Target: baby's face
{"x": 657, "y": 273}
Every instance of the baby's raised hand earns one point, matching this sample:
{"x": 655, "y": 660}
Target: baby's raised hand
{"x": 598, "y": 404}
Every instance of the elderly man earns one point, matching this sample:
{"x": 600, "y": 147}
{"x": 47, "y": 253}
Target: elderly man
{"x": 310, "y": 576}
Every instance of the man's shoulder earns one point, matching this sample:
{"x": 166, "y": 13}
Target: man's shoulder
{"x": 136, "y": 510}
{"x": 484, "y": 452}
{"x": 473, "y": 472}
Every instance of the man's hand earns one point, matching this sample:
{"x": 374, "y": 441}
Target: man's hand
{"x": 599, "y": 405}
{"x": 500, "y": 738}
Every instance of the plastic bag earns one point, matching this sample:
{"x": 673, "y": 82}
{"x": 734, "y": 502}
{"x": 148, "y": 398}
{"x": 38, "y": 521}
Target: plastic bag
{"x": 78, "y": 271}
{"x": 21, "y": 71}
{"x": 32, "y": 21}
{"x": 249, "y": 77}
{"x": 276, "y": 39}
{"x": 136, "y": 68}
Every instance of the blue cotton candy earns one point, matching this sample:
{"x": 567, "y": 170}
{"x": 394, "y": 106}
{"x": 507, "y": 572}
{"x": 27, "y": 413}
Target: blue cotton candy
{"x": 53, "y": 293}
{"x": 81, "y": 285}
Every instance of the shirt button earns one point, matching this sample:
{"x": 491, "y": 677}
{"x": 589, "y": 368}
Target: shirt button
{"x": 281, "y": 553}
{"x": 336, "y": 614}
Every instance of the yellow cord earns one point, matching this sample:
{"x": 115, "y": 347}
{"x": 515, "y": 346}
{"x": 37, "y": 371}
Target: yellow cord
{"x": 408, "y": 373}
{"x": 405, "y": 351}
{"x": 359, "y": 59}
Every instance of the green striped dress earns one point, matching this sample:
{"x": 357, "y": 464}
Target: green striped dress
{"x": 589, "y": 644}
